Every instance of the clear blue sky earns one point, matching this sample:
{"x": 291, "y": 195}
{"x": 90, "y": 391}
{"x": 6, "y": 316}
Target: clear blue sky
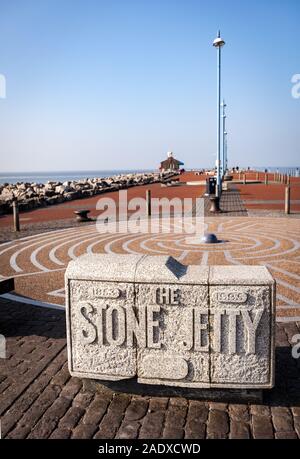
{"x": 94, "y": 84}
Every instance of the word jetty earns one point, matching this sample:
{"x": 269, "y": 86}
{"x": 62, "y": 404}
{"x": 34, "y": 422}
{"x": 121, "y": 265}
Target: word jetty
{"x": 165, "y": 323}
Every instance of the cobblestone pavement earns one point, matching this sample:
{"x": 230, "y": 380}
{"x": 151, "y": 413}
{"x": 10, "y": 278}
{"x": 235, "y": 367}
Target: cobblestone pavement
{"x": 39, "y": 399}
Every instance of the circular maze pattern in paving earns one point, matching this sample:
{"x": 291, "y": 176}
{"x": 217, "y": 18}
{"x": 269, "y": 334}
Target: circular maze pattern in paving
{"x": 38, "y": 262}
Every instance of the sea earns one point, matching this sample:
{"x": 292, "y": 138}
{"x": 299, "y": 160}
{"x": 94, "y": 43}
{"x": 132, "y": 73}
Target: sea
{"x": 63, "y": 176}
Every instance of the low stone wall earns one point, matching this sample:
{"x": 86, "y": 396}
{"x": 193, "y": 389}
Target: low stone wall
{"x": 33, "y": 195}
{"x": 170, "y": 324}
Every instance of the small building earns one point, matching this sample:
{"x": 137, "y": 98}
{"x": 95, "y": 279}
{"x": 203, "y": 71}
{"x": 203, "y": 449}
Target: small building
{"x": 170, "y": 164}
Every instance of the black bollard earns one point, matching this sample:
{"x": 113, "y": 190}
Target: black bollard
{"x": 16, "y": 215}
{"x": 148, "y": 199}
{"x": 215, "y": 204}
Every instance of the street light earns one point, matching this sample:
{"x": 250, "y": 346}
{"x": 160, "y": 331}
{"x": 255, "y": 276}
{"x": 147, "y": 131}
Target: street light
{"x": 224, "y": 134}
{"x": 218, "y": 43}
{"x": 225, "y": 151}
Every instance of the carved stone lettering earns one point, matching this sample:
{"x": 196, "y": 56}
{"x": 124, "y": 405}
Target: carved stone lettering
{"x": 153, "y": 318}
{"x": 232, "y": 296}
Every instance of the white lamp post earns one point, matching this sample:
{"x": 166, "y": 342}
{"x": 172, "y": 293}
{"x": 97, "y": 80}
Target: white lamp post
{"x": 218, "y": 43}
{"x": 224, "y": 135}
{"x": 225, "y": 151}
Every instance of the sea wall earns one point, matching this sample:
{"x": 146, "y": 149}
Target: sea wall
{"x": 34, "y": 195}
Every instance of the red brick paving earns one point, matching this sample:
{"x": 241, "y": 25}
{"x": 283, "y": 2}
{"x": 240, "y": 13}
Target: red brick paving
{"x": 66, "y": 209}
{"x": 39, "y": 398}
{"x": 272, "y": 192}
{"x": 249, "y": 192}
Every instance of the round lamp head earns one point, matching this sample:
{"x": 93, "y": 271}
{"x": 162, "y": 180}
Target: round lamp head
{"x": 218, "y": 42}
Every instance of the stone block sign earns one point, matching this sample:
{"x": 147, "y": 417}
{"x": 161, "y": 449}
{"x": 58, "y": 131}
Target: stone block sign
{"x": 165, "y": 323}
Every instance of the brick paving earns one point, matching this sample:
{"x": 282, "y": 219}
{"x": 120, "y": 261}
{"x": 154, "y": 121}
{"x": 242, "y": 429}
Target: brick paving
{"x": 39, "y": 399}
{"x": 231, "y": 204}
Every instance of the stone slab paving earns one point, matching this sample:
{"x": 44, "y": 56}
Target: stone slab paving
{"x": 39, "y": 398}
{"x": 231, "y": 204}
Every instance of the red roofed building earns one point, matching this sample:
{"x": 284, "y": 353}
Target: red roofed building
{"x": 170, "y": 164}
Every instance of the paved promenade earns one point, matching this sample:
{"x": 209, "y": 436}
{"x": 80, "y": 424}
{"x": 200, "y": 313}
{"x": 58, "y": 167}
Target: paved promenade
{"x": 39, "y": 399}
{"x": 38, "y": 261}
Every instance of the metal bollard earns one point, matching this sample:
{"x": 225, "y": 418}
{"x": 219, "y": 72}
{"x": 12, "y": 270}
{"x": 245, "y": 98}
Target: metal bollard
{"x": 148, "y": 200}
{"x": 287, "y": 203}
{"x": 16, "y": 215}
{"x": 215, "y": 204}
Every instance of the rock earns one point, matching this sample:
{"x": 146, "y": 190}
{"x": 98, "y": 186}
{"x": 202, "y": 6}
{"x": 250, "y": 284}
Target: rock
{"x": 54, "y": 192}
{"x": 87, "y": 193}
{"x": 30, "y": 193}
{"x": 4, "y": 208}
{"x": 71, "y": 195}
{"x": 170, "y": 324}
{"x": 7, "y": 195}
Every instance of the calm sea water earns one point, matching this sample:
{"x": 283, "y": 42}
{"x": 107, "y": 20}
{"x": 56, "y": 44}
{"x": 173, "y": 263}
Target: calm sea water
{"x": 60, "y": 176}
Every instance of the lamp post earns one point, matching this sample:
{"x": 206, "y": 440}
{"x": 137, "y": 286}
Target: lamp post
{"x": 218, "y": 43}
{"x": 223, "y": 142}
{"x": 225, "y": 152}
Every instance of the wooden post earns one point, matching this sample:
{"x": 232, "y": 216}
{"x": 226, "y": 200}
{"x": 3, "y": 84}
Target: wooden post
{"x": 288, "y": 179}
{"x": 148, "y": 199}
{"x": 287, "y": 203}
{"x": 16, "y": 216}
{"x": 266, "y": 179}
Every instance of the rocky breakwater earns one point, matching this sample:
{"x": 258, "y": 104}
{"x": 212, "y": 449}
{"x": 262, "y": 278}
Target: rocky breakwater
{"x": 33, "y": 195}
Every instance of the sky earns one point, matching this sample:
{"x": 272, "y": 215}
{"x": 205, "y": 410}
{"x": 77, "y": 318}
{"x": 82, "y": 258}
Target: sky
{"x": 116, "y": 84}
